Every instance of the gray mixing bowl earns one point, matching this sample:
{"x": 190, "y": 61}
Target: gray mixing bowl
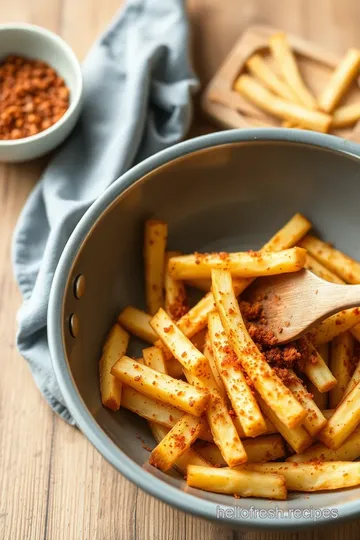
{"x": 228, "y": 190}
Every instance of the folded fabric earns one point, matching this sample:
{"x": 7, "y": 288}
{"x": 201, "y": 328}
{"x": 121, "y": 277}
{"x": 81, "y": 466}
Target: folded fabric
{"x": 138, "y": 83}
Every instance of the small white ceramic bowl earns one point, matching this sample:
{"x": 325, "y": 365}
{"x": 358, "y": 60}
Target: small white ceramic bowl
{"x": 38, "y": 43}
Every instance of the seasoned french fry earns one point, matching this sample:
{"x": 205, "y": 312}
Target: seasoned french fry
{"x": 334, "y": 325}
{"x": 259, "y": 68}
{"x": 161, "y": 386}
{"x": 208, "y": 353}
{"x": 311, "y": 476}
{"x": 239, "y": 482}
{"x": 355, "y": 379}
{"x": 155, "y": 238}
{"x": 342, "y": 351}
{"x": 176, "y": 304}
{"x": 345, "y": 116}
{"x": 289, "y": 70}
{"x": 314, "y": 420}
{"x": 241, "y": 397}
{"x": 137, "y": 322}
{"x": 267, "y": 383}
{"x": 320, "y": 398}
{"x": 316, "y": 369}
{"x": 201, "y": 284}
{"x": 348, "y": 451}
{"x": 340, "y": 80}
{"x": 115, "y": 347}
{"x": 343, "y": 422}
{"x": 270, "y": 428}
{"x": 241, "y": 264}
{"x": 320, "y": 270}
{"x": 278, "y": 107}
{"x": 154, "y": 359}
{"x": 175, "y": 442}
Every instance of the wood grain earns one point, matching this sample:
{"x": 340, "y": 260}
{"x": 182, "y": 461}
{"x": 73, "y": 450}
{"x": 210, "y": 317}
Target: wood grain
{"x": 53, "y": 483}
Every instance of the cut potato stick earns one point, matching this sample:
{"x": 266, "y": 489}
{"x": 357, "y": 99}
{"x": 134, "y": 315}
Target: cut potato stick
{"x": 320, "y": 270}
{"x": 259, "y": 68}
{"x": 154, "y": 258}
{"x": 345, "y": 116}
{"x": 137, "y": 322}
{"x": 239, "y": 482}
{"x": 270, "y": 428}
{"x": 320, "y": 398}
{"x": 268, "y": 102}
{"x": 201, "y": 284}
{"x": 316, "y": 369}
{"x": 208, "y": 353}
{"x": 343, "y": 422}
{"x": 161, "y": 386}
{"x": 258, "y": 450}
{"x": 340, "y": 80}
{"x": 154, "y": 359}
{"x": 289, "y": 70}
{"x": 298, "y": 438}
{"x": 115, "y": 347}
{"x": 348, "y": 451}
{"x": 311, "y": 476}
{"x": 355, "y": 379}
{"x": 241, "y": 264}
{"x": 334, "y": 325}
{"x": 176, "y": 304}
{"x": 241, "y": 397}
{"x": 336, "y": 261}
{"x": 175, "y": 442}
{"x": 342, "y": 352}
{"x": 314, "y": 420}
{"x": 267, "y": 383}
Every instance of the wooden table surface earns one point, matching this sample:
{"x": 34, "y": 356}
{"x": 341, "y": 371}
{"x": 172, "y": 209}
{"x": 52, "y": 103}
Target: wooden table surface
{"x": 53, "y": 484}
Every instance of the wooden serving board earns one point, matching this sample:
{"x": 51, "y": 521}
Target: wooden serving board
{"x": 230, "y": 110}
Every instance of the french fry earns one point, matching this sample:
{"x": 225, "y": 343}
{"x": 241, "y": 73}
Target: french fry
{"x": 115, "y": 347}
{"x": 320, "y": 398}
{"x": 340, "y": 80}
{"x": 176, "y": 304}
{"x": 161, "y": 386}
{"x": 316, "y": 369}
{"x": 289, "y": 70}
{"x": 259, "y": 68}
{"x": 241, "y": 397}
{"x": 355, "y": 379}
{"x": 154, "y": 359}
{"x": 342, "y": 351}
{"x": 320, "y": 270}
{"x": 201, "y": 284}
{"x": 348, "y": 451}
{"x": 155, "y": 238}
{"x": 241, "y": 264}
{"x": 311, "y": 476}
{"x": 239, "y": 482}
{"x": 344, "y": 266}
{"x": 345, "y": 116}
{"x": 267, "y": 383}
{"x": 175, "y": 442}
{"x": 270, "y": 428}
{"x": 343, "y": 422}
{"x": 137, "y": 322}
{"x": 278, "y": 107}
{"x": 298, "y": 438}
{"x": 208, "y": 353}
{"x": 314, "y": 420}
{"x": 334, "y": 325}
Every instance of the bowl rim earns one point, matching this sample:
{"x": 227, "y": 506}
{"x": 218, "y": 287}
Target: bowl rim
{"x": 82, "y": 416}
{"x": 67, "y": 51}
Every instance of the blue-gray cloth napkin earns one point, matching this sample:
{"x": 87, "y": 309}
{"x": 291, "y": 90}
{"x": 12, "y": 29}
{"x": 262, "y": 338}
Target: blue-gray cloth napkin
{"x": 138, "y": 83}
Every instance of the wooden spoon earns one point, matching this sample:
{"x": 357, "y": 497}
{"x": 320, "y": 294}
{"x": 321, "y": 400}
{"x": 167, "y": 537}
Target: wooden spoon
{"x": 293, "y": 303}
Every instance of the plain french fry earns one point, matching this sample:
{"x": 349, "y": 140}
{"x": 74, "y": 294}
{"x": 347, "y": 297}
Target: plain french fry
{"x": 320, "y": 270}
{"x": 137, "y": 322}
{"x": 314, "y": 420}
{"x": 161, "y": 386}
{"x": 344, "y": 266}
{"x": 278, "y": 107}
{"x": 241, "y": 264}
{"x": 320, "y": 398}
{"x": 115, "y": 347}
{"x": 239, "y": 482}
{"x": 298, "y": 438}
{"x": 316, "y": 369}
{"x": 355, "y": 379}
{"x": 267, "y": 383}
{"x": 175, "y": 442}
{"x": 176, "y": 304}
{"x": 259, "y": 68}
{"x": 342, "y": 351}
{"x": 340, "y": 80}
{"x": 348, "y": 451}
{"x": 345, "y": 116}
{"x": 201, "y": 284}
{"x": 155, "y": 237}
{"x": 241, "y": 397}
{"x": 343, "y": 422}
{"x": 334, "y": 325}
{"x": 208, "y": 353}
{"x": 289, "y": 70}
{"x": 311, "y": 476}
